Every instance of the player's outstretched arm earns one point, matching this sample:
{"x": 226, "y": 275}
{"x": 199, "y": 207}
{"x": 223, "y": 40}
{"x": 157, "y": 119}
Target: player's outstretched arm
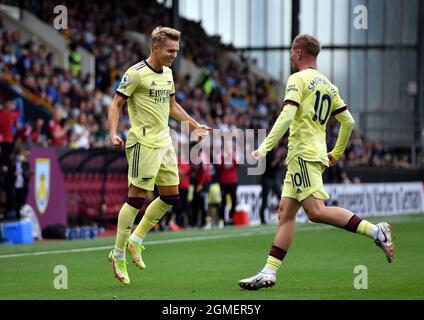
{"x": 278, "y": 130}
{"x": 113, "y": 119}
{"x": 347, "y": 123}
{"x": 178, "y": 113}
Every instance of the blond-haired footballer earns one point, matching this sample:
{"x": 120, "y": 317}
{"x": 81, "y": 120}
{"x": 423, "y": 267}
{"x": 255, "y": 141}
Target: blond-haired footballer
{"x": 148, "y": 88}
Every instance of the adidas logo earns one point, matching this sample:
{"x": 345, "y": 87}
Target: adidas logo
{"x": 145, "y": 179}
{"x": 153, "y": 83}
{"x": 298, "y": 190}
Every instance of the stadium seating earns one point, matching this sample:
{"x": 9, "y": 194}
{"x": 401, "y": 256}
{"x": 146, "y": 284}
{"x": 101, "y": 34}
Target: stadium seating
{"x": 90, "y": 195}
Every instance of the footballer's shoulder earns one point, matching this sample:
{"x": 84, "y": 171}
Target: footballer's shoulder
{"x": 138, "y": 66}
{"x": 297, "y": 76}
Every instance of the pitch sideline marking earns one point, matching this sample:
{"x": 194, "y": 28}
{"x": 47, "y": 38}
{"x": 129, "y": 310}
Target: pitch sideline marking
{"x": 186, "y": 239}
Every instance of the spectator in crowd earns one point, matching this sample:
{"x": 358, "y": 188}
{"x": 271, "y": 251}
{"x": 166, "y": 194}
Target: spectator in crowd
{"x": 19, "y": 176}
{"x": 270, "y": 180}
{"x": 214, "y": 202}
{"x": 75, "y": 59}
{"x": 80, "y": 137}
{"x": 8, "y": 126}
{"x": 356, "y": 180}
{"x": 183, "y": 208}
{"x": 344, "y": 178}
{"x": 404, "y": 162}
{"x": 201, "y": 179}
{"x": 38, "y": 135}
{"x": 57, "y": 130}
{"x": 228, "y": 180}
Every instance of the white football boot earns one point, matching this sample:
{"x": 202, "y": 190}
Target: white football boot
{"x": 384, "y": 240}
{"x": 258, "y": 281}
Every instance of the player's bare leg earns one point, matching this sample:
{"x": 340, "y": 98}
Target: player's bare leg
{"x": 286, "y": 222}
{"x": 282, "y": 241}
{"x": 381, "y": 233}
{"x": 168, "y": 190}
{"x": 318, "y": 212}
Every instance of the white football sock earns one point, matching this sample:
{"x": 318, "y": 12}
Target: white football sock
{"x": 268, "y": 271}
{"x": 136, "y": 239}
{"x": 119, "y": 255}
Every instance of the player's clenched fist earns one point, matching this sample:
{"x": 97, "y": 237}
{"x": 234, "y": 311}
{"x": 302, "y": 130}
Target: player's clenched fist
{"x": 117, "y": 142}
{"x": 331, "y": 160}
{"x": 202, "y": 131}
{"x": 256, "y": 155}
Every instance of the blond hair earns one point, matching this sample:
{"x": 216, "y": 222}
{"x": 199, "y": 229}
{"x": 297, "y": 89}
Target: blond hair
{"x": 308, "y": 44}
{"x": 159, "y": 34}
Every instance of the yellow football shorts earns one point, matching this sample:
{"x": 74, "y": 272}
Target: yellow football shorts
{"x": 149, "y": 166}
{"x": 214, "y": 193}
{"x": 303, "y": 179}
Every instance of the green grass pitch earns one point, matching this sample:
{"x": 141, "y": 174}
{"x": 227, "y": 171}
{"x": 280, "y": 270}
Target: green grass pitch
{"x": 206, "y": 265}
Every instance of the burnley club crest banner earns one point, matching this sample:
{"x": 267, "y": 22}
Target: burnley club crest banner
{"x": 42, "y": 183}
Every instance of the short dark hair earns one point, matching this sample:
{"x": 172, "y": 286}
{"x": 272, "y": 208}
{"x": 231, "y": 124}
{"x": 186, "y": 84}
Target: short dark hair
{"x": 308, "y": 44}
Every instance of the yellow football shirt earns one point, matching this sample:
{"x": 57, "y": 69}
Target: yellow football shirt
{"x": 148, "y": 92}
{"x": 317, "y": 98}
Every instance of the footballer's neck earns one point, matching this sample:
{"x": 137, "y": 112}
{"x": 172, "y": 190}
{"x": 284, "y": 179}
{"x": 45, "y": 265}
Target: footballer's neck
{"x": 154, "y": 63}
{"x": 312, "y": 64}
